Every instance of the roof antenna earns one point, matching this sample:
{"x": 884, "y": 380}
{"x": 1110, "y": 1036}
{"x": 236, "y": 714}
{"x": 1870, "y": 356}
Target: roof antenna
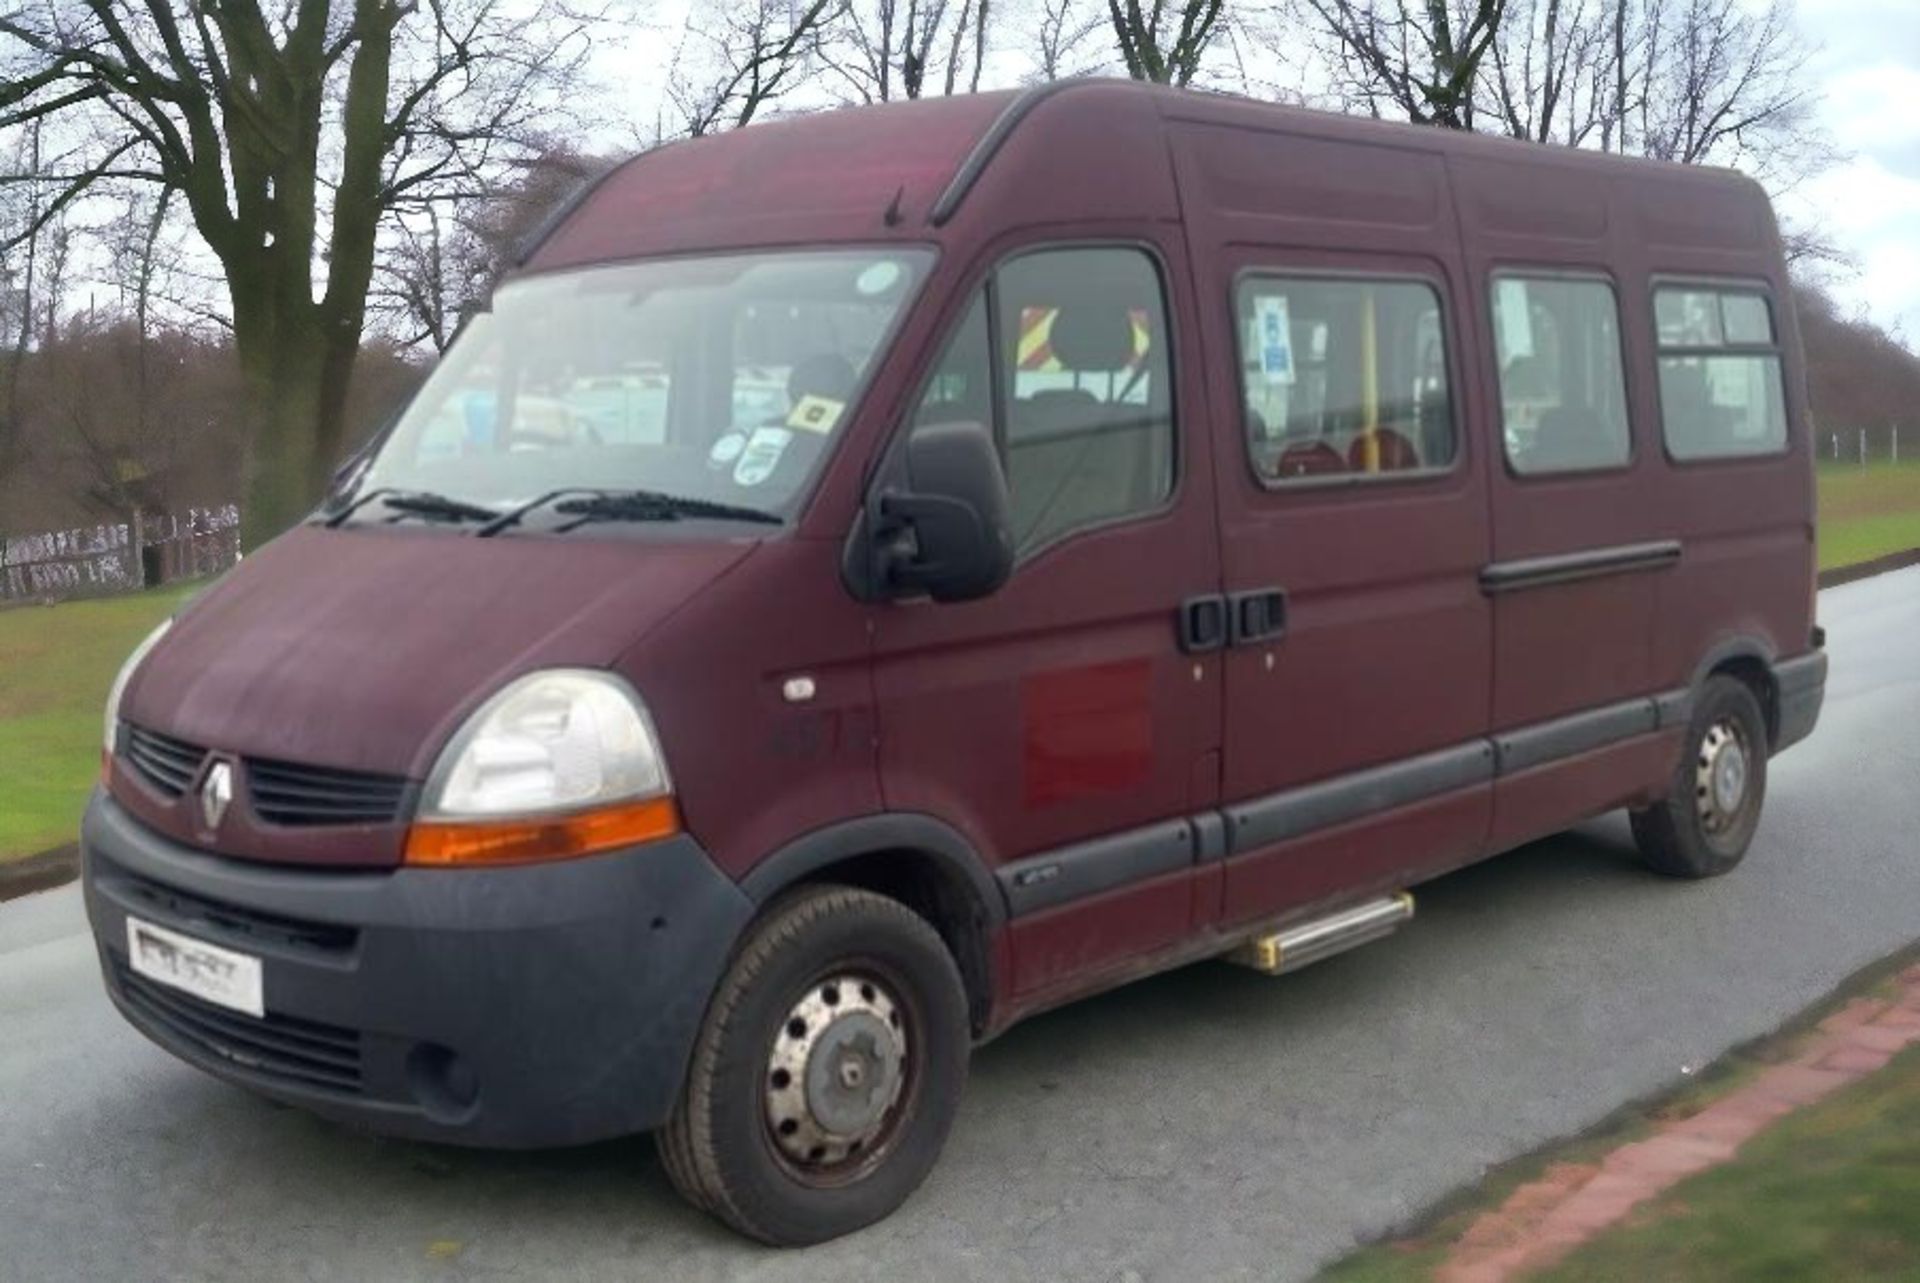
{"x": 892, "y": 217}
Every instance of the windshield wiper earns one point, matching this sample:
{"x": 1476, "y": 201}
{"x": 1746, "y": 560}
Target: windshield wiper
{"x": 627, "y": 505}
{"x": 511, "y": 517}
{"x": 417, "y": 503}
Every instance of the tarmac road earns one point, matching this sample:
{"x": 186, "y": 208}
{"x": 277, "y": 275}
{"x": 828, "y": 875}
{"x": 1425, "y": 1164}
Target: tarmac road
{"x": 1206, "y": 1124}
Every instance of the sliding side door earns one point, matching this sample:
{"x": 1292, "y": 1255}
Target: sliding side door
{"x": 1354, "y": 530}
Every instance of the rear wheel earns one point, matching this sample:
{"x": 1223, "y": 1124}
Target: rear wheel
{"x": 1704, "y": 825}
{"x": 828, "y": 1071}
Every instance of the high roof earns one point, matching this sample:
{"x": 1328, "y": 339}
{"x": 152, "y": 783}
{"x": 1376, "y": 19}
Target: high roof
{"x": 1079, "y": 150}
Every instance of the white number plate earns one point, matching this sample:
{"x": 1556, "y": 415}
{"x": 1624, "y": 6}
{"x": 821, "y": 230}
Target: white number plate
{"x": 193, "y": 966}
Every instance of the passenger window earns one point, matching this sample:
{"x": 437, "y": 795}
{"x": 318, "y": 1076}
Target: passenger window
{"x": 1084, "y": 408}
{"x": 1721, "y": 394}
{"x": 1563, "y": 390}
{"x": 1344, "y": 378}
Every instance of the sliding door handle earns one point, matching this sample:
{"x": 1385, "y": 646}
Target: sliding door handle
{"x": 1257, "y": 615}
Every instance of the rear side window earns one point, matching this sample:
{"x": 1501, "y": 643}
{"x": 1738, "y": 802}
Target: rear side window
{"x": 1563, "y": 389}
{"x": 1343, "y": 378}
{"x": 1721, "y": 394}
{"x": 1065, "y": 355}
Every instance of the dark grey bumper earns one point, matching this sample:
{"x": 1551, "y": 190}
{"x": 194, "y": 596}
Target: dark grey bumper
{"x": 1801, "y": 684}
{"x": 538, "y": 1005}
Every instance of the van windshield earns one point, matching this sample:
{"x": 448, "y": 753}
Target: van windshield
{"x": 720, "y": 379}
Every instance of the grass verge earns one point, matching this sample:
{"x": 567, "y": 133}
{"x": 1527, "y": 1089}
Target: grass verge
{"x": 1832, "y": 1192}
{"x": 1863, "y": 1178}
{"x": 56, "y": 663}
{"x": 1867, "y": 512}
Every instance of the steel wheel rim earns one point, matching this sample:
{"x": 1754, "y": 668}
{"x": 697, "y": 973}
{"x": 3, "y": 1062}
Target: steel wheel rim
{"x": 838, "y": 1077}
{"x": 1722, "y": 777}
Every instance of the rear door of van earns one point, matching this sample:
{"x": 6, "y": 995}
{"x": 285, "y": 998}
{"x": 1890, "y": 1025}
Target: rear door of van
{"x": 1353, "y": 514}
{"x": 1058, "y": 722}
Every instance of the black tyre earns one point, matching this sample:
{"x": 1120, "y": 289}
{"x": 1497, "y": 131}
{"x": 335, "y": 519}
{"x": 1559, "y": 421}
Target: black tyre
{"x": 1713, "y": 803}
{"x": 828, "y": 1071}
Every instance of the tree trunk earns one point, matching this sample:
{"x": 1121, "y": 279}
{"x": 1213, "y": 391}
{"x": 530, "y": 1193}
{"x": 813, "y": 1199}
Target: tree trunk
{"x": 289, "y": 441}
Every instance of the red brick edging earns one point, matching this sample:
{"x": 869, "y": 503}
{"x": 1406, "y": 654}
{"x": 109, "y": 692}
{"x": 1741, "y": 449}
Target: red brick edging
{"x": 1570, "y": 1203}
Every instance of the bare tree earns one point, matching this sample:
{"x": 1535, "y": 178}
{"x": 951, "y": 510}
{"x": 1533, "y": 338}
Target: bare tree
{"x": 1552, "y": 72}
{"x": 1063, "y": 29}
{"x": 417, "y": 285}
{"x": 291, "y": 130}
{"x": 1698, "y": 81}
{"x": 19, "y": 259}
{"x": 439, "y": 265}
{"x": 1726, "y": 83}
{"x": 1164, "y": 42}
{"x": 1416, "y": 58}
{"x": 737, "y": 58}
{"x": 886, "y": 50}
{"x": 137, "y": 251}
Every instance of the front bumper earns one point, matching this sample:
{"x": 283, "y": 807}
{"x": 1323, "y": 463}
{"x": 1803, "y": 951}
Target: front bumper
{"x": 1801, "y": 684}
{"x": 546, "y": 1004}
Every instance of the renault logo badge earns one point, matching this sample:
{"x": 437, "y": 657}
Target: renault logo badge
{"x": 216, "y": 794}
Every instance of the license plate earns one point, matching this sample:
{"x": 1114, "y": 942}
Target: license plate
{"x": 206, "y": 971}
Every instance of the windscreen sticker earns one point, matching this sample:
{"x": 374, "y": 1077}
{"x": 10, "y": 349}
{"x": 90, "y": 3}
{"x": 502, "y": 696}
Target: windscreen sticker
{"x": 1516, "y": 319}
{"x": 816, "y": 414}
{"x": 761, "y": 456}
{"x": 878, "y": 278}
{"x": 726, "y": 450}
{"x": 1273, "y": 335}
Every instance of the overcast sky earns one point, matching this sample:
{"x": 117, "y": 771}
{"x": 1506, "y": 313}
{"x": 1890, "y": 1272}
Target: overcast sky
{"x": 1868, "y": 67}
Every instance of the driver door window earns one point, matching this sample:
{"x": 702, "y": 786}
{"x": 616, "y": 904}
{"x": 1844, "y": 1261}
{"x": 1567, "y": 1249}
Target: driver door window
{"x": 1064, "y": 355}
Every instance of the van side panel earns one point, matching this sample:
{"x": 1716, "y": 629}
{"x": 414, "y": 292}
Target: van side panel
{"x": 1747, "y": 525}
{"x": 1385, "y": 653}
{"x": 1558, "y": 647}
{"x": 753, "y": 769}
{"x": 1564, "y": 645}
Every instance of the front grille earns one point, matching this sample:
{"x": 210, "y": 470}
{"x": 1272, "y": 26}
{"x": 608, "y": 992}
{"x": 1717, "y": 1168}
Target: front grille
{"x": 285, "y": 793}
{"x": 291, "y": 794}
{"x": 303, "y": 1052}
{"x": 170, "y": 904}
{"x": 167, "y": 763}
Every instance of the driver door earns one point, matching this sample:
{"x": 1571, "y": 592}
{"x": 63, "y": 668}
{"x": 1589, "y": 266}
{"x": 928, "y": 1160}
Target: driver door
{"x": 1057, "y": 722}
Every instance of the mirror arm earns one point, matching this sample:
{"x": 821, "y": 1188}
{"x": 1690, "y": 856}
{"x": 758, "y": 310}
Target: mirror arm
{"x": 903, "y": 516}
{"x": 888, "y": 531}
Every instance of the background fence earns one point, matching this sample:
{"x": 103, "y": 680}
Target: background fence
{"x": 93, "y": 561}
{"x": 1889, "y": 443}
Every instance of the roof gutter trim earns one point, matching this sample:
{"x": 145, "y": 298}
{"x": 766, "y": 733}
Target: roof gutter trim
{"x": 990, "y": 142}
{"x": 530, "y": 244}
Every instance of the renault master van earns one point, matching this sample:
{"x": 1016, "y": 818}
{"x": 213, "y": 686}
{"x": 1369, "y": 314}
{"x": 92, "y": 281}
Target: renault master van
{"x": 872, "y": 577}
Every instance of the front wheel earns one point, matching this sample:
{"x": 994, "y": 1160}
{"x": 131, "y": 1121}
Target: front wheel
{"x": 827, "y": 1073}
{"x": 1704, "y": 825}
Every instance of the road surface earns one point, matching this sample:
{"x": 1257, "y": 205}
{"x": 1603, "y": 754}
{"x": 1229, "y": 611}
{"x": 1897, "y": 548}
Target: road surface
{"x": 1206, "y": 1124}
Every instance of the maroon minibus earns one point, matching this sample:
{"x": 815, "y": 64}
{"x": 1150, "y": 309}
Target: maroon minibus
{"x": 868, "y": 578}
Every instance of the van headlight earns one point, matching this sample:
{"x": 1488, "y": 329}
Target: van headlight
{"x": 110, "y": 740}
{"x": 558, "y": 763}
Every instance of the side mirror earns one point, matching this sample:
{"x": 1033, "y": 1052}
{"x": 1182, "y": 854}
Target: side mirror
{"x": 948, "y": 534}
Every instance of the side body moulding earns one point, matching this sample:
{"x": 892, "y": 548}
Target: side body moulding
{"x": 1591, "y": 563}
{"x": 1062, "y": 876}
